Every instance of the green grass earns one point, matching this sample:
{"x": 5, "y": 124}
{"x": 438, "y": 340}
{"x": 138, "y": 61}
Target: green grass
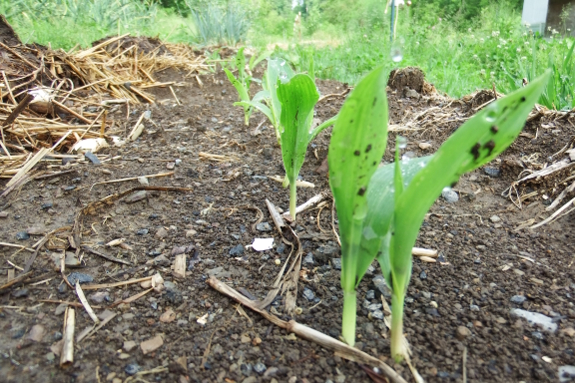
{"x": 457, "y": 62}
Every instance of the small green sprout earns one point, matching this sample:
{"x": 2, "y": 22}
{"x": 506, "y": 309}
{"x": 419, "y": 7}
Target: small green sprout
{"x": 241, "y": 83}
{"x": 266, "y": 101}
{"x": 381, "y": 210}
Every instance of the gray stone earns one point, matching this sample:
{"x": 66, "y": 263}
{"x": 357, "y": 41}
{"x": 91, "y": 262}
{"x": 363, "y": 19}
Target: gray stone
{"x": 132, "y": 369}
{"x": 308, "y": 260}
{"x": 260, "y": 368}
{"x": 543, "y": 321}
{"x": 80, "y": 277}
{"x": 370, "y": 294}
{"x": 474, "y": 308}
{"x": 236, "y": 251}
{"x": 308, "y": 294}
{"x": 20, "y": 293}
{"x": 518, "y": 299}
{"x": 423, "y": 275}
{"x": 263, "y": 226}
{"x": 336, "y": 262}
{"x": 22, "y": 236}
{"x": 50, "y": 356}
{"x": 449, "y": 195}
{"x": 170, "y": 286}
{"x": 142, "y": 232}
{"x": 93, "y": 158}
{"x": 246, "y": 369}
{"x": 377, "y": 314}
{"x": 462, "y": 332}
{"x": 495, "y": 219}
{"x": 492, "y": 172}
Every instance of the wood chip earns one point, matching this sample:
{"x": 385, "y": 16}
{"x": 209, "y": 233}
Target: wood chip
{"x": 152, "y": 344}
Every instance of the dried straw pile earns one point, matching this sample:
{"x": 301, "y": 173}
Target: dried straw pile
{"x": 51, "y": 99}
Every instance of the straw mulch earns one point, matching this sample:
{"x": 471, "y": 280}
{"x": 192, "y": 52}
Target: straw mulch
{"x": 51, "y": 99}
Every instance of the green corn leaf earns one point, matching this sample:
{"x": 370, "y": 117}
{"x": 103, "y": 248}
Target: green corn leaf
{"x": 357, "y": 145}
{"x": 380, "y": 208}
{"x": 240, "y": 87}
{"x": 241, "y": 65}
{"x": 322, "y": 126}
{"x": 474, "y": 144}
{"x": 298, "y": 98}
{"x": 259, "y": 106}
{"x": 278, "y": 70}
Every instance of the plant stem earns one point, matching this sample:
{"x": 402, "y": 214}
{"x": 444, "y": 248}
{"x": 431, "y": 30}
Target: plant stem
{"x": 397, "y": 341}
{"x": 292, "y": 198}
{"x": 349, "y": 316}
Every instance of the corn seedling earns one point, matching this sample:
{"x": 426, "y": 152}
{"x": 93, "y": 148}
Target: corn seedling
{"x": 266, "y": 101}
{"x": 381, "y": 210}
{"x": 288, "y": 101}
{"x": 241, "y": 83}
{"x": 297, "y": 98}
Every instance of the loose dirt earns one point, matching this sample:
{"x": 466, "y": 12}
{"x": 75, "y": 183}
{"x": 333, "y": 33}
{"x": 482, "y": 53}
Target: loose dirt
{"x": 191, "y": 333}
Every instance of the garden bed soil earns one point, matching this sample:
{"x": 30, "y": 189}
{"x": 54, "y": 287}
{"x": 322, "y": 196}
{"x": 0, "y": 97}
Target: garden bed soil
{"x": 461, "y": 304}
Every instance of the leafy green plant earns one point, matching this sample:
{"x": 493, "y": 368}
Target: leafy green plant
{"x": 241, "y": 83}
{"x": 381, "y": 210}
{"x": 288, "y": 101}
{"x": 266, "y": 101}
{"x": 219, "y": 24}
{"x": 298, "y": 98}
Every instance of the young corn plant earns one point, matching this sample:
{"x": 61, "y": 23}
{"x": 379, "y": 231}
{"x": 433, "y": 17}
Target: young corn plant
{"x": 241, "y": 83}
{"x": 381, "y": 210}
{"x": 266, "y": 101}
{"x": 297, "y": 98}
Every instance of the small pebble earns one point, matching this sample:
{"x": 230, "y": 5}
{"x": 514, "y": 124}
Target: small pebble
{"x": 474, "y": 308}
{"x": 495, "y": 219}
{"x": 20, "y": 293}
{"x": 423, "y": 275}
{"x": 462, "y": 332}
{"x": 336, "y": 262}
{"x": 246, "y": 369}
{"x": 142, "y": 232}
{"x": 308, "y": 294}
{"x": 22, "y": 235}
{"x": 450, "y": 195}
{"x": 236, "y": 251}
{"x": 308, "y": 260}
{"x": 518, "y": 299}
{"x": 132, "y": 369}
{"x": 260, "y": 368}
{"x": 80, "y": 277}
{"x": 263, "y": 226}
{"x": 492, "y": 172}
{"x": 47, "y": 205}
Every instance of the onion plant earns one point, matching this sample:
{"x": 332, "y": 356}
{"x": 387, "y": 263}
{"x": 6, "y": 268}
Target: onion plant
{"x": 381, "y": 209}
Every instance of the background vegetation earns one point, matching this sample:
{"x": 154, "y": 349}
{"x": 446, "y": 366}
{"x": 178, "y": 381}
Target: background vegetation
{"x": 462, "y": 46}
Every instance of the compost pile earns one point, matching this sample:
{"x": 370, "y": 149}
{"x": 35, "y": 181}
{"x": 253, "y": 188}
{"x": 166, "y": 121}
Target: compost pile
{"x": 116, "y": 241}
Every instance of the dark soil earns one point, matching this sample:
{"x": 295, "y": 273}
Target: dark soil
{"x": 462, "y": 303}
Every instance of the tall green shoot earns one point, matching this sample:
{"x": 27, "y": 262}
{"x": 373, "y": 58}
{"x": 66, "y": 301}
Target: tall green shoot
{"x": 357, "y": 145}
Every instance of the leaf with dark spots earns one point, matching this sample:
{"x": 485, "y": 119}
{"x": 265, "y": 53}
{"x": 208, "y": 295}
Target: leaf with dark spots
{"x": 494, "y": 129}
{"x": 361, "y": 191}
{"x": 475, "y": 150}
{"x": 368, "y": 148}
{"x": 490, "y": 146}
{"x": 356, "y": 153}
